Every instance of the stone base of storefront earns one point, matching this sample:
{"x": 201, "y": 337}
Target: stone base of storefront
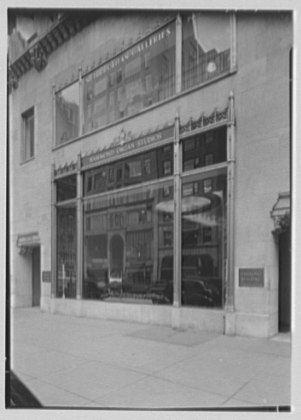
{"x": 214, "y": 320}
{"x": 196, "y": 318}
{"x": 254, "y": 325}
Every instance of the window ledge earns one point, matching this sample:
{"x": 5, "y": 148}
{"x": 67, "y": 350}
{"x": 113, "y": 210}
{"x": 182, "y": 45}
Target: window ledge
{"x": 24, "y": 162}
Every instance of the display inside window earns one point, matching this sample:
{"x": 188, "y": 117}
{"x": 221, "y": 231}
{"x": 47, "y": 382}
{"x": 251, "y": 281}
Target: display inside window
{"x": 66, "y": 251}
{"x": 204, "y": 239}
{"x": 209, "y": 148}
{"x": 67, "y": 113}
{"x": 206, "y": 46}
{"x": 135, "y": 79}
{"x": 127, "y": 245}
{"x": 66, "y": 188}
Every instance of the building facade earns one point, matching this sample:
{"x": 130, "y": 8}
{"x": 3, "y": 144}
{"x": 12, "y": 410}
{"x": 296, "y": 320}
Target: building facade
{"x": 150, "y": 166}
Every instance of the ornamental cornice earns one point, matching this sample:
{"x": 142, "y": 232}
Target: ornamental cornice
{"x": 36, "y": 55}
{"x": 204, "y": 121}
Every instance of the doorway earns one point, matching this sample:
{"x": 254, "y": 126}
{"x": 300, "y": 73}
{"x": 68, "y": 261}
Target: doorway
{"x": 284, "y": 282}
{"x": 36, "y": 276}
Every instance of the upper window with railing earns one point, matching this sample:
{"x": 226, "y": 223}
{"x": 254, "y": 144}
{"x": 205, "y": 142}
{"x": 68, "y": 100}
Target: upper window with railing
{"x": 206, "y": 47}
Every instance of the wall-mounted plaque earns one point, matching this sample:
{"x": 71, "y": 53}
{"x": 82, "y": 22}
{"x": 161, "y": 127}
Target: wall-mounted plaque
{"x": 251, "y": 277}
{"x": 46, "y": 276}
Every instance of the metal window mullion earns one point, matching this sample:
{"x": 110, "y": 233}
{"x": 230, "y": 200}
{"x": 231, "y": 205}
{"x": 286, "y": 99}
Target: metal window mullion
{"x": 79, "y": 230}
{"x": 53, "y": 237}
{"x": 233, "y": 42}
{"x": 206, "y": 170}
{"x": 230, "y": 282}
{"x": 178, "y": 54}
{"x": 81, "y": 102}
{"x": 129, "y": 189}
{"x": 177, "y": 239}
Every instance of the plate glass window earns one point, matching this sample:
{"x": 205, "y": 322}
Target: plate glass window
{"x": 28, "y": 135}
{"x": 67, "y": 114}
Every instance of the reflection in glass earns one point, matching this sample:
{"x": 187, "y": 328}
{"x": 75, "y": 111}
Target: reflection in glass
{"x": 67, "y": 114}
{"x": 66, "y": 188}
{"x": 206, "y": 47}
{"x": 204, "y": 240}
{"x": 133, "y": 80}
{"x": 66, "y": 251}
{"x": 128, "y": 245}
{"x": 205, "y": 149}
{"x": 157, "y": 163}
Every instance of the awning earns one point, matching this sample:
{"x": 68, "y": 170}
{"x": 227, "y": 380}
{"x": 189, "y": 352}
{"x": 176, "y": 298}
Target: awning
{"x": 282, "y": 205}
{"x": 27, "y": 241}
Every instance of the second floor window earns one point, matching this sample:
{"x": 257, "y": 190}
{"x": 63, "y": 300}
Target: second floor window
{"x": 27, "y": 148}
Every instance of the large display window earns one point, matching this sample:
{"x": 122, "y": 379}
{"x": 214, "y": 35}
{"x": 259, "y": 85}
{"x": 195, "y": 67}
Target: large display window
{"x": 66, "y": 239}
{"x": 145, "y": 74}
{"x": 204, "y": 239}
{"x": 128, "y": 237}
{"x": 135, "y": 79}
{"x": 66, "y": 250}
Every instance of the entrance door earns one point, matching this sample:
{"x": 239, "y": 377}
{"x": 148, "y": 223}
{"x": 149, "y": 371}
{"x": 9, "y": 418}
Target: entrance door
{"x": 284, "y": 282}
{"x": 36, "y": 280}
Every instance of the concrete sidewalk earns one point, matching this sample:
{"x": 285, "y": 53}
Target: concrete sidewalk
{"x": 79, "y": 362}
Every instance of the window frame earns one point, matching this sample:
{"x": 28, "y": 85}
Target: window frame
{"x": 28, "y": 140}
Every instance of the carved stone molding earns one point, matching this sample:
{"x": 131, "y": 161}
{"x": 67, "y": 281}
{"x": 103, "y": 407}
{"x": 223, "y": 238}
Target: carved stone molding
{"x": 12, "y": 81}
{"x": 38, "y": 58}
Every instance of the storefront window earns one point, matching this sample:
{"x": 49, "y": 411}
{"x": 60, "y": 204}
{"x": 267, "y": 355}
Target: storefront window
{"x": 135, "y": 79}
{"x": 205, "y": 149}
{"x": 66, "y": 251}
{"x": 206, "y": 47}
{"x": 67, "y": 113}
{"x": 140, "y": 168}
{"x": 204, "y": 239}
{"x": 128, "y": 245}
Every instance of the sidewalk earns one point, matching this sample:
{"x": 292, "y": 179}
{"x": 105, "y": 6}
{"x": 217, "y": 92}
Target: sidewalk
{"x": 82, "y": 362}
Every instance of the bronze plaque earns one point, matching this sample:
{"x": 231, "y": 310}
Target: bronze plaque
{"x": 46, "y": 276}
{"x": 251, "y": 277}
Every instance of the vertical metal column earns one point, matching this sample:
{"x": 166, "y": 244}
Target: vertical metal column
{"x": 81, "y": 103}
{"x": 53, "y": 236}
{"x": 230, "y": 192}
{"x": 79, "y": 230}
{"x": 178, "y": 54}
{"x": 177, "y": 226}
{"x": 233, "y": 45}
